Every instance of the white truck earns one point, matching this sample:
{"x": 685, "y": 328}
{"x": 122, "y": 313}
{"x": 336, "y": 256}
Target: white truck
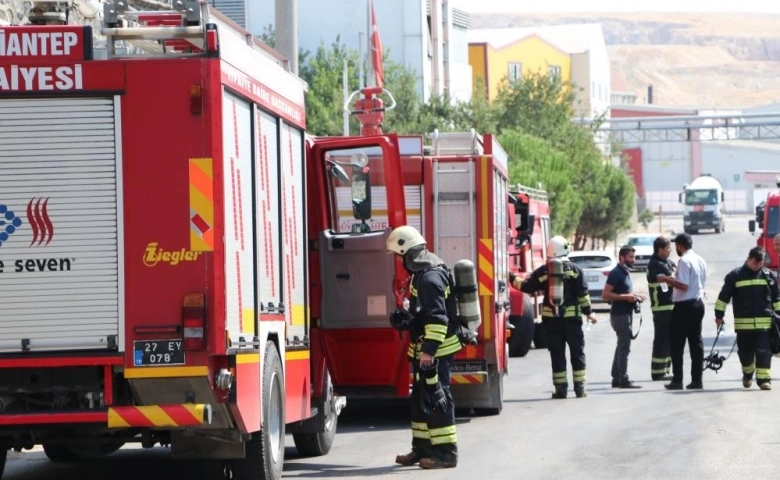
{"x": 703, "y": 202}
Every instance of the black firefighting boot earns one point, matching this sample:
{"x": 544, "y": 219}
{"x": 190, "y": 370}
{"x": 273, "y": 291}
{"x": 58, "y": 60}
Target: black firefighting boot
{"x": 561, "y": 391}
{"x": 579, "y": 390}
{"x": 411, "y": 458}
{"x": 747, "y": 380}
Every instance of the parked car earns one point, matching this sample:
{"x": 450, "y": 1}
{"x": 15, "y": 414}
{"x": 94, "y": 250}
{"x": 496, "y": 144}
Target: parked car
{"x": 643, "y": 248}
{"x": 596, "y": 264}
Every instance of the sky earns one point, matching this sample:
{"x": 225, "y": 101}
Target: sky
{"x": 519, "y": 6}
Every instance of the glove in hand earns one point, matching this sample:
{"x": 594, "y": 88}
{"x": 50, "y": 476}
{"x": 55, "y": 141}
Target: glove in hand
{"x": 400, "y": 319}
{"x": 433, "y": 398}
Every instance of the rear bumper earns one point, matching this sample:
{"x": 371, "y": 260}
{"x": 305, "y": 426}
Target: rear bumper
{"x": 157, "y": 416}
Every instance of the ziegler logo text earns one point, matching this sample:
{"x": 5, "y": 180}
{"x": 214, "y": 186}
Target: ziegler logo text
{"x": 154, "y": 255}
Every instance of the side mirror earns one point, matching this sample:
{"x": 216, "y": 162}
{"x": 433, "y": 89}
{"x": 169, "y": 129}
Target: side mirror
{"x": 680, "y": 197}
{"x": 531, "y": 224}
{"x": 361, "y": 193}
{"x": 752, "y": 226}
{"x": 722, "y": 197}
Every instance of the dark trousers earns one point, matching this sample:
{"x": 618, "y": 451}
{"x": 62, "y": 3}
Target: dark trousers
{"x": 433, "y": 435}
{"x": 686, "y": 326}
{"x": 621, "y": 324}
{"x": 562, "y": 331}
{"x": 662, "y": 344}
{"x": 755, "y": 355}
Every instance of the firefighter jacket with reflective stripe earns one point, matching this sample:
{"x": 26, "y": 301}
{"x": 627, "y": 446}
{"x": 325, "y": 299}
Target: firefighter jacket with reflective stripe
{"x": 576, "y": 299}
{"x": 432, "y": 304}
{"x": 755, "y": 296}
{"x": 660, "y": 301}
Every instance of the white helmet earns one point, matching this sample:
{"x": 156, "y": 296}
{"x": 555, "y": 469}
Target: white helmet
{"x": 557, "y": 247}
{"x": 402, "y": 239}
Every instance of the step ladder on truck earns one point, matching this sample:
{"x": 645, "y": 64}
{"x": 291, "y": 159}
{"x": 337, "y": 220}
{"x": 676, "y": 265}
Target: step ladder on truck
{"x": 159, "y": 282}
{"x": 455, "y": 194}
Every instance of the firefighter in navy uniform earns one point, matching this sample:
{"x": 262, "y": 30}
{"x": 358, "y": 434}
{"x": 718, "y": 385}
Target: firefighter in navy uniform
{"x": 661, "y": 305}
{"x": 434, "y": 341}
{"x": 756, "y": 297}
{"x": 563, "y": 321}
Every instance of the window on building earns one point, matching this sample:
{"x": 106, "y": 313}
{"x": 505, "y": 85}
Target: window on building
{"x": 515, "y": 71}
{"x": 554, "y": 71}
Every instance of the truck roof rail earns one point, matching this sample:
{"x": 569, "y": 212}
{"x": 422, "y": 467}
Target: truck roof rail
{"x": 535, "y": 193}
{"x": 456, "y": 143}
{"x": 178, "y": 28}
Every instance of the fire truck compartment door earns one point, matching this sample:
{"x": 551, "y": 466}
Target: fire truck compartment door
{"x": 357, "y": 276}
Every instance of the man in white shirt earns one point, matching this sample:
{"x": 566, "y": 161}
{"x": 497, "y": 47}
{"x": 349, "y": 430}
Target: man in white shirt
{"x": 688, "y": 283}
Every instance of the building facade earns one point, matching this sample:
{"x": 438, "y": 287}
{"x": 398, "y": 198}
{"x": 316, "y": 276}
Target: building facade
{"x": 427, "y": 36}
{"x": 575, "y": 53}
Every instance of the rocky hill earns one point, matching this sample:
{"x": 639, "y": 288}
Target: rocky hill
{"x": 707, "y": 60}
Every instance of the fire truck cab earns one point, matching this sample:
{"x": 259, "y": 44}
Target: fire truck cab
{"x": 454, "y": 192}
{"x": 529, "y": 220}
{"x": 768, "y": 221}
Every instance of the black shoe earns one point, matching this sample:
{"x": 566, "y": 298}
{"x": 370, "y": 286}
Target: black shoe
{"x": 662, "y": 376}
{"x": 629, "y": 384}
{"x": 579, "y": 390}
{"x": 673, "y": 386}
{"x": 615, "y": 383}
{"x": 694, "y": 386}
{"x": 560, "y": 392}
{"x": 747, "y": 380}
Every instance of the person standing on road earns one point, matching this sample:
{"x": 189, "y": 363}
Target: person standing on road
{"x": 564, "y": 323}
{"x": 433, "y": 330}
{"x": 619, "y": 291}
{"x": 688, "y": 284}
{"x": 756, "y": 298}
{"x": 661, "y": 305}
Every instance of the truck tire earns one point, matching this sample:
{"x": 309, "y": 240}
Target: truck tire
{"x": 265, "y": 450}
{"x": 319, "y": 441}
{"x": 523, "y": 333}
{"x": 540, "y": 335}
{"x": 496, "y": 380}
{"x": 60, "y": 453}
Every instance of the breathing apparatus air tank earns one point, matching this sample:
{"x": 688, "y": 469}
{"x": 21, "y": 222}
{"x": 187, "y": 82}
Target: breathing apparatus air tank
{"x": 466, "y": 295}
{"x": 555, "y": 284}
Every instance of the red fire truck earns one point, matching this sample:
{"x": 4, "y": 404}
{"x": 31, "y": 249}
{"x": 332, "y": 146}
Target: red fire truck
{"x": 768, "y": 219}
{"x": 455, "y": 193}
{"x": 156, "y": 283}
{"x": 530, "y": 227}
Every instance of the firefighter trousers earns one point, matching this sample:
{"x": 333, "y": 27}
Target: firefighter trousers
{"x": 560, "y": 332}
{"x": 755, "y": 355}
{"x": 661, "y": 361}
{"x": 433, "y": 435}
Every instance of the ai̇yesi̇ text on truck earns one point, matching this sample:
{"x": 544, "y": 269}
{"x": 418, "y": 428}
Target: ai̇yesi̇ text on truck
{"x": 703, "y": 202}
{"x": 159, "y": 283}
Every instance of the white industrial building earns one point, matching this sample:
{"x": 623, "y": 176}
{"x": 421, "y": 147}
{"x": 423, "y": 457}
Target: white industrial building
{"x": 436, "y": 51}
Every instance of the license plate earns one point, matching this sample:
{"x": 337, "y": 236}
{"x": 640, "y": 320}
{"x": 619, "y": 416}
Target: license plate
{"x": 469, "y": 366}
{"x": 591, "y": 278}
{"x": 158, "y": 352}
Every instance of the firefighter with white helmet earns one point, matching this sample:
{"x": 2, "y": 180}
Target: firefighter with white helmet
{"x": 431, "y": 321}
{"x": 566, "y": 299}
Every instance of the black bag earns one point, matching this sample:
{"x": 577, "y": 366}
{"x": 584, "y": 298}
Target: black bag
{"x": 774, "y": 334}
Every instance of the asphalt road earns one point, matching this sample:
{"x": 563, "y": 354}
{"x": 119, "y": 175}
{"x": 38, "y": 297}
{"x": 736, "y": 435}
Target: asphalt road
{"x": 721, "y": 432}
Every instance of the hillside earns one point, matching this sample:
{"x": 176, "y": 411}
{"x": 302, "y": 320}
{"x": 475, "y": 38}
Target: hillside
{"x": 705, "y": 60}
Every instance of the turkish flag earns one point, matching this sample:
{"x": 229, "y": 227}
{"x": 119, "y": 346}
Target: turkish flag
{"x": 376, "y": 50}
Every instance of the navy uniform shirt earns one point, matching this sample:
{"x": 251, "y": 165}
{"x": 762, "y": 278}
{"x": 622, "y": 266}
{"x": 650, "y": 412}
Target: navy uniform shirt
{"x": 620, "y": 279}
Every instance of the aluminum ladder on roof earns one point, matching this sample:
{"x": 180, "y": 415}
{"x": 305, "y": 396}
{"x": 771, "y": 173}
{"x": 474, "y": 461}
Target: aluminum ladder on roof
{"x": 454, "y": 194}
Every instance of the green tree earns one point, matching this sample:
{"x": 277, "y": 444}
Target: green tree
{"x": 538, "y": 104}
{"x": 534, "y": 162}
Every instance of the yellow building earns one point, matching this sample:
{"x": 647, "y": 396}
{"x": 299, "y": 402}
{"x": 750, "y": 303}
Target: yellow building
{"x": 495, "y": 63}
{"x": 576, "y": 52}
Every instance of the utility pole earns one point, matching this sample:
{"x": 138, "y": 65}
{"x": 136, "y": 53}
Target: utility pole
{"x": 287, "y": 31}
